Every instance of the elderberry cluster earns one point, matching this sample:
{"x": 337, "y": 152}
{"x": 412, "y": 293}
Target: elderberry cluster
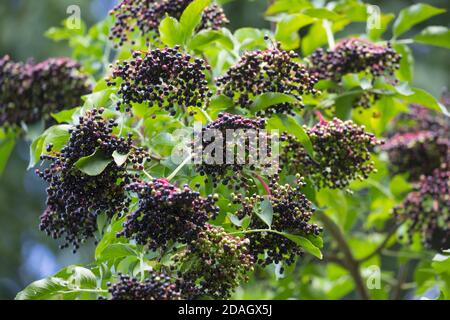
{"x": 30, "y": 92}
{"x": 144, "y": 16}
{"x": 341, "y": 153}
{"x": 353, "y": 56}
{"x": 416, "y": 153}
{"x": 233, "y": 136}
{"x": 292, "y": 212}
{"x": 157, "y": 286}
{"x": 271, "y": 70}
{"x": 420, "y": 142}
{"x": 166, "y": 213}
{"x": 74, "y": 198}
{"x": 216, "y": 262}
{"x": 426, "y": 209}
{"x": 165, "y": 78}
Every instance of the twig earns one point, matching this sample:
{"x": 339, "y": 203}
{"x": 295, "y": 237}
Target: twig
{"x": 175, "y": 172}
{"x": 381, "y": 246}
{"x": 349, "y": 261}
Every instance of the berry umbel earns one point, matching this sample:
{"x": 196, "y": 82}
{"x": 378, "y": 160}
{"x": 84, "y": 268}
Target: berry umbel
{"x": 166, "y": 213}
{"x": 144, "y": 17}
{"x": 74, "y": 198}
{"x": 271, "y": 70}
{"x": 216, "y": 262}
{"x": 232, "y": 137}
{"x": 165, "y": 78}
{"x": 353, "y": 56}
{"x": 292, "y": 212}
{"x": 157, "y": 286}
{"x": 426, "y": 210}
{"x": 30, "y": 92}
{"x": 341, "y": 153}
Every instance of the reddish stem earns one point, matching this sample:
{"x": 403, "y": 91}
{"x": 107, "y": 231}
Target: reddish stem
{"x": 321, "y": 118}
{"x": 264, "y": 184}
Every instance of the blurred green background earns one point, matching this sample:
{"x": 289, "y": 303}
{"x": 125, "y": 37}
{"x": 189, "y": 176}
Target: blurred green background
{"x": 26, "y": 254}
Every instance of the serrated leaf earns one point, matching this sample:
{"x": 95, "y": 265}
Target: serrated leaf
{"x": 413, "y": 15}
{"x": 192, "y": 16}
{"x": 65, "y": 115}
{"x": 116, "y": 250}
{"x": 94, "y": 164}
{"x": 170, "y": 32}
{"x": 306, "y": 244}
{"x": 425, "y": 99}
{"x": 205, "y": 38}
{"x": 98, "y": 99}
{"x": 42, "y": 289}
{"x": 55, "y": 135}
{"x": 82, "y": 277}
{"x": 265, "y": 211}
{"x": 435, "y": 35}
{"x": 119, "y": 159}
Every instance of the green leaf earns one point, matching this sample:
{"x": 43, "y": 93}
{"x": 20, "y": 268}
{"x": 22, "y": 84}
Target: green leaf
{"x": 287, "y": 30}
{"x": 82, "y": 277}
{"x": 290, "y": 125}
{"x": 94, "y": 164}
{"x": 220, "y": 102}
{"x": 441, "y": 263}
{"x": 306, "y": 244}
{"x": 250, "y": 38}
{"x": 55, "y": 135}
{"x": 119, "y": 159}
{"x": 170, "y": 32}
{"x": 206, "y": 38}
{"x": 413, "y": 15}
{"x": 269, "y": 99}
{"x": 288, "y": 6}
{"x": 42, "y": 289}
{"x": 65, "y": 116}
{"x": 376, "y": 32}
{"x": 242, "y": 223}
{"x": 406, "y": 71}
{"x": 108, "y": 238}
{"x": 192, "y": 16}
{"x": 98, "y": 99}
{"x": 116, "y": 250}
{"x": 435, "y": 36}
{"x": 6, "y": 147}
{"x": 317, "y": 35}
{"x": 425, "y": 99}
{"x": 265, "y": 211}
{"x": 322, "y": 13}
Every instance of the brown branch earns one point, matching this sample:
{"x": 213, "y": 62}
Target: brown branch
{"x": 349, "y": 262}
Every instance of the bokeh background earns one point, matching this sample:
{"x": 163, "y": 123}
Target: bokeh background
{"x": 26, "y": 254}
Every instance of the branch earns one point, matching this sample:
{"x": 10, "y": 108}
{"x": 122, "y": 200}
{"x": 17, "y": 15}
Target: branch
{"x": 349, "y": 261}
{"x": 381, "y": 246}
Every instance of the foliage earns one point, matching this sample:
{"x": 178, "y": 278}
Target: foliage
{"x": 323, "y": 220}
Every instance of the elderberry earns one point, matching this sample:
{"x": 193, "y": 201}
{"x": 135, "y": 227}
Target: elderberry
{"x": 271, "y": 70}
